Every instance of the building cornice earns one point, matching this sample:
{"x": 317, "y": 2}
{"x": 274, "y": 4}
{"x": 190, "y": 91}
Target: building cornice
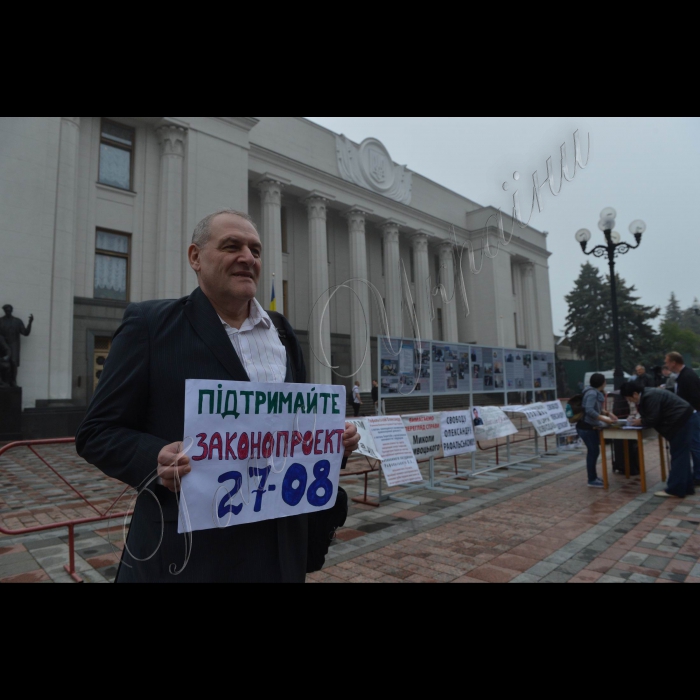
{"x": 246, "y": 123}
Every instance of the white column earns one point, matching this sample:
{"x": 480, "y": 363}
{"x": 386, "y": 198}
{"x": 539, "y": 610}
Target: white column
{"x": 520, "y": 333}
{"x": 62, "y": 292}
{"x": 320, "y": 327}
{"x": 170, "y": 217}
{"x": 530, "y": 305}
{"x": 393, "y": 273}
{"x": 271, "y": 235}
{"x": 361, "y": 311}
{"x": 421, "y": 264}
{"x": 447, "y": 265}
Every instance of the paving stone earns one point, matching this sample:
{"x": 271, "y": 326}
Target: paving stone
{"x": 639, "y": 578}
{"x": 573, "y": 567}
{"x": 611, "y": 579}
{"x": 634, "y": 559}
{"x": 557, "y": 577}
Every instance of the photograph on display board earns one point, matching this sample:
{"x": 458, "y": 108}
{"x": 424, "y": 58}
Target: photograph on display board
{"x": 399, "y": 374}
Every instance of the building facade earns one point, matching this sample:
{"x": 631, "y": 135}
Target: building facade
{"x": 98, "y": 212}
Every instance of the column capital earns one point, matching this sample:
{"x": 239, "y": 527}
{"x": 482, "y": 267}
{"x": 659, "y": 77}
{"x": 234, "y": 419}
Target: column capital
{"x": 446, "y": 248}
{"x": 356, "y": 220}
{"x": 273, "y": 178}
{"x": 420, "y": 241}
{"x": 172, "y": 139}
{"x": 271, "y": 192}
{"x": 528, "y": 268}
{"x": 317, "y": 207}
{"x": 72, "y": 120}
{"x": 391, "y": 231}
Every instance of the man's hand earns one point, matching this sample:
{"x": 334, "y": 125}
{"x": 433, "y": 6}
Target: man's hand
{"x": 351, "y": 440}
{"x": 172, "y": 466}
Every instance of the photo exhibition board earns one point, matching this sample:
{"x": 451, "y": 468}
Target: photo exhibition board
{"x": 519, "y": 370}
{"x": 451, "y": 369}
{"x": 487, "y": 370}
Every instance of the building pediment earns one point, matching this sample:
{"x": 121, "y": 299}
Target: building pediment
{"x": 369, "y": 165}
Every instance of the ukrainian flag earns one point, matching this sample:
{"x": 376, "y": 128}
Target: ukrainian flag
{"x": 273, "y": 302}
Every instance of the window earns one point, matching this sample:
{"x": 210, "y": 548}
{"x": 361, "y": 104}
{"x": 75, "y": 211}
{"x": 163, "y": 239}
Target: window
{"x": 285, "y": 239}
{"x": 413, "y": 267}
{"x": 285, "y": 291}
{"x": 441, "y": 335}
{"x": 116, "y": 155}
{"x": 438, "y": 268}
{"x": 112, "y": 266}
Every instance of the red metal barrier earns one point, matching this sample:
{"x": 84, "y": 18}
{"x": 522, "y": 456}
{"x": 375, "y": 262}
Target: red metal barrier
{"x": 69, "y": 524}
{"x": 365, "y": 472}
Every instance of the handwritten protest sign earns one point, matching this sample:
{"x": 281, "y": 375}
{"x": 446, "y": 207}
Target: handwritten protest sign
{"x": 541, "y": 421}
{"x": 398, "y": 461}
{"x": 490, "y": 423}
{"x": 367, "y": 446}
{"x": 558, "y": 415}
{"x": 424, "y": 435}
{"x": 457, "y": 433}
{"x": 261, "y": 452}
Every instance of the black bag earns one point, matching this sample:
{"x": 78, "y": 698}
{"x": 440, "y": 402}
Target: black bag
{"x": 322, "y": 529}
{"x": 618, "y": 460}
{"x": 322, "y": 525}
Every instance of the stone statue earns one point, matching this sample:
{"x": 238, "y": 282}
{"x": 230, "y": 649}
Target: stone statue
{"x": 4, "y": 363}
{"x": 11, "y": 329}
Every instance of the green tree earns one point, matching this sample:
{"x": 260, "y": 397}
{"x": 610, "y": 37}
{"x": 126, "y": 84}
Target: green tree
{"x": 639, "y": 340}
{"x": 590, "y": 325}
{"x": 690, "y": 321}
{"x": 677, "y": 339}
{"x": 673, "y": 310}
{"x": 587, "y": 325}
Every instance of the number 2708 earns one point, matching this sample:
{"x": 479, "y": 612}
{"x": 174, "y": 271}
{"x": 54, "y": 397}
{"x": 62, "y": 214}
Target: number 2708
{"x": 294, "y": 487}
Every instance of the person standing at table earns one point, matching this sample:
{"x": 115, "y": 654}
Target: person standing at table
{"x": 594, "y": 418}
{"x": 687, "y": 386}
{"x": 672, "y": 418}
{"x": 643, "y": 378}
{"x": 375, "y": 396}
{"x": 356, "y": 399}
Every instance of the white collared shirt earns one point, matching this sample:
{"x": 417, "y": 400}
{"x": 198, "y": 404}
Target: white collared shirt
{"x": 259, "y": 347}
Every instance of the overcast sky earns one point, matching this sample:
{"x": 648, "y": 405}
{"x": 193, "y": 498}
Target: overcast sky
{"x": 644, "y": 167}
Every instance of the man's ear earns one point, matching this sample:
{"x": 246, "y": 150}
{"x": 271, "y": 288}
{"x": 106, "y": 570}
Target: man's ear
{"x": 193, "y": 257}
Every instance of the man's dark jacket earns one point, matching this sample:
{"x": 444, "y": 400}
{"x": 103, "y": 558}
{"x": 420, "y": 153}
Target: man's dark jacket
{"x": 664, "y": 412}
{"x": 138, "y": 409}
{"x": 646, "y": 381}
{"x": 688, "y": 387}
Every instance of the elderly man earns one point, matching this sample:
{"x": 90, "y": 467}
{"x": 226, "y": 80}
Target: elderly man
{"x": 687, "y": 386}
{"x": 135, "y": 424}
{"x": 643, "y": 378}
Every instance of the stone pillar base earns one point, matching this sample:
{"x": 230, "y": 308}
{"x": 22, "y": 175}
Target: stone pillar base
{"x": 10, "y": 414}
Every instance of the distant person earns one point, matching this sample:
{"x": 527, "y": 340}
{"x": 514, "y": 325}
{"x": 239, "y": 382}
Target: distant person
{"x": 669, "y": 379}
{"x": 672, "y": 418}
{"x": 594, "y": 418}
{"x": 356, "y": 399}
{"x": 687, "y": 387}
{"x": 643, "y": 378}
{"x": 375, "y": 396}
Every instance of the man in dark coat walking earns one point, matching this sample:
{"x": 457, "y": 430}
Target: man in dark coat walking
{"x": 134, "y": 427}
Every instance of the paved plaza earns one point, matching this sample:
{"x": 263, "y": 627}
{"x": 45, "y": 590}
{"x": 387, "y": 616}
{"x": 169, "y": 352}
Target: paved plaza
{"x": 538, "y": 523}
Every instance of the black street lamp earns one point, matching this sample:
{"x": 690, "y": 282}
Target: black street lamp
{"x": 614, "y": 247}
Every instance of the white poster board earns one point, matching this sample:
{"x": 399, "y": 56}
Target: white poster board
{"x": 490, "y": 423}
{"x": 367, "y": 446}
{"x": 398, "y": 461}
{"x": 261, "y": 452}
{"x": 558, "y": 415}
{"x": 457, "y": 433}
{"x": 425, "y": 436}
{"x": 541, "y": 421}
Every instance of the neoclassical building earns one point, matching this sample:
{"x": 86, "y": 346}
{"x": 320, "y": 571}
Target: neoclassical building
{"x": 98, "y": 212}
